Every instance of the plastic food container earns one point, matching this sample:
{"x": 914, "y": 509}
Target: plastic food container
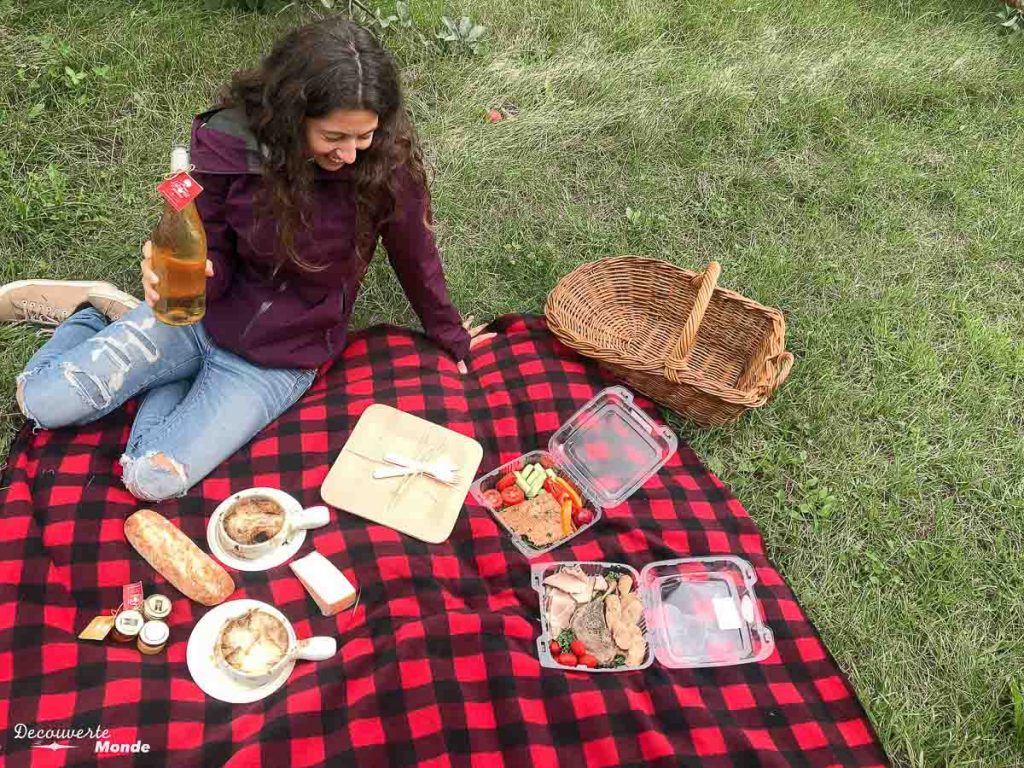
{"x": 607, "y": 449}
{"x": 698, "y": 612}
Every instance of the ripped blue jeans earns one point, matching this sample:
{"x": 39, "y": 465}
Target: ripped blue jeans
{"x": 200, "y": 403}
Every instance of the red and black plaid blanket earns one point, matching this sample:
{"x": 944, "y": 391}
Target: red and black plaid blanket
{"x": 438, "y": 665}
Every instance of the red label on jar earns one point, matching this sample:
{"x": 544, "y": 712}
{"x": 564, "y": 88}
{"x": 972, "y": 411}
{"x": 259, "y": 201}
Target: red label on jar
{"x": 179, "y": 190}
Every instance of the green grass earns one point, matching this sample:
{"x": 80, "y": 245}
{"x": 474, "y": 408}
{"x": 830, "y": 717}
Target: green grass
{"x": 856, "y": 163}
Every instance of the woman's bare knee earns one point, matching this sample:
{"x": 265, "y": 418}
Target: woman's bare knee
{"x": 154, "y": 477}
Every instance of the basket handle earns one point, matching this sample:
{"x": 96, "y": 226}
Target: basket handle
{"x": 785, "y": 366}
{"x": 708, "y": 280}
{"x": 771, "y": 373}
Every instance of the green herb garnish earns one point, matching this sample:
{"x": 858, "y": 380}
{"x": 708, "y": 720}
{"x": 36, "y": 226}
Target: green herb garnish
{"x": 565, "y": 638}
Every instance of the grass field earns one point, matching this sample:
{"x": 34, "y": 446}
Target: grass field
{"x": 858, "y": 164}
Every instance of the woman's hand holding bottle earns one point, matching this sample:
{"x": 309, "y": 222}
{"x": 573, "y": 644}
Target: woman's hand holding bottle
{"x": 149, "y": 277}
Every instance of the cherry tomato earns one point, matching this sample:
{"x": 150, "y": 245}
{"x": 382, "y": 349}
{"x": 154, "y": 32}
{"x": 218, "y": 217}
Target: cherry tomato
{"x": 577, "y": 647}
{"x": 567, "y": 660}
{"x": 586, "y": 660}
{"x": 506, "y": 481}
{"x": 512, "y": 495}
{"x": 555, "y": 648}
{"x": 493, "y": 497}
{"x": 582, "y": 516}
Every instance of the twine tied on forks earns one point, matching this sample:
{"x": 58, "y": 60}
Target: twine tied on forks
{"x": 399, "y": 465}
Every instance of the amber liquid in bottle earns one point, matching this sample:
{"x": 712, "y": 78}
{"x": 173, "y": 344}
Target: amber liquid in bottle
{"x": 179, "y": 259}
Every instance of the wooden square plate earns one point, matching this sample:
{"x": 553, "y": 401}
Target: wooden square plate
{"x": 419, "y": 506}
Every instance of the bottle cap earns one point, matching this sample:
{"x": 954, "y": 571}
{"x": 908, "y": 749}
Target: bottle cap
{"x": 154, "y": 633}
{"x": 128, "y": 623}
{"x": 179, "y": 158}
{"x": 156, "y": 607}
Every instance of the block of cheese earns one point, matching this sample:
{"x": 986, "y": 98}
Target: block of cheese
{"x": 324, "y": 582}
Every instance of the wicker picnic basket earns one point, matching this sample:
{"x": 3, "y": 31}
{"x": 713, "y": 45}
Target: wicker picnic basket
{"x": 704, "y": 352}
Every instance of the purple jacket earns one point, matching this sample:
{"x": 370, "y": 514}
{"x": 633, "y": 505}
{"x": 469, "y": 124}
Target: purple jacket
{"x": 296, "y": 319}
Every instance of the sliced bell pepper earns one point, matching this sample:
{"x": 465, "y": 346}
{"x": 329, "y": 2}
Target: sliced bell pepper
{"x": 557, "y": 493}
{"x": 567, "y": 517}
{"x": 571, "y": 491}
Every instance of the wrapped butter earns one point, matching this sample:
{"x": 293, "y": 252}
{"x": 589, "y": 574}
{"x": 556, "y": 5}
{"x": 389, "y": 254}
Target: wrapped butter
{"x": 325, "y": 583}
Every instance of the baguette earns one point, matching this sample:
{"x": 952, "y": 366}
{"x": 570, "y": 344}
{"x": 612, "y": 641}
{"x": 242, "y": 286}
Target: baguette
{"x": 177, "y": 558}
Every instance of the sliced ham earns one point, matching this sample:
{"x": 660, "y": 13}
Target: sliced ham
{"x": 565, "y": 582}
{"x": 600, "y": 585}
{"x": 574, "y": 582}
{"x": 561, "y": 607}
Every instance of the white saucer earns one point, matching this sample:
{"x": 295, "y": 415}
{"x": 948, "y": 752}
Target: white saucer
{"x": 212, "y": 679}
{"x": 272, "y": 559}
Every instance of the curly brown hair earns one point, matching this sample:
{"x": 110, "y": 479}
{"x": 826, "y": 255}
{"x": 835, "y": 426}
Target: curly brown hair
{"x": 310, "y": 72}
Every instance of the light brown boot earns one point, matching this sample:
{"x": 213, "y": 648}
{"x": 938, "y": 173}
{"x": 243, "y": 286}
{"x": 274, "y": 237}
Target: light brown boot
{"x": 111, "y": 300}
{"x": 43, "y": 302}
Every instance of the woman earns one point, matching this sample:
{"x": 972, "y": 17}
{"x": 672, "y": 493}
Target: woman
{"x": 309, "y": 159}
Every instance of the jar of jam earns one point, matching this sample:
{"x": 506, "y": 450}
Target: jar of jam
{"x": 156, "y": 607}
{"x": 126, "y": 626}
{"x": 153, "y": 636}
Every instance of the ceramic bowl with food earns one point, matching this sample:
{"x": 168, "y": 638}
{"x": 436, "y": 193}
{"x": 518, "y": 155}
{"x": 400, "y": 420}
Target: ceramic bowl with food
{"x": 255, "y": 522}
{"x": 253, "y": 646}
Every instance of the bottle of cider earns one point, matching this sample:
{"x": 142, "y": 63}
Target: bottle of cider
{"x": 179, "y": 247}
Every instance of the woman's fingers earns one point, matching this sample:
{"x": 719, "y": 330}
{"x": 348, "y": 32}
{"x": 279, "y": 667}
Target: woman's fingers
{"x": 149, "y": 278}
{"x": 467, "y": 323}
{"x": 209, "y": 268}
{"x": 477, "y": 338}
{"x": 477, "y": 341}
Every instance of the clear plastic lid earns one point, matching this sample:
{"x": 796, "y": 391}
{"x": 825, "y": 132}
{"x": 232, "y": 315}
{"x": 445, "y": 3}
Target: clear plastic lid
{"x": 702, "y": 612}
{"x": 611, "y": 446}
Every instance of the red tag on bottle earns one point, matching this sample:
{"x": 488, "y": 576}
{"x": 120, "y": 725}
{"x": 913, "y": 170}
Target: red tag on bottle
{"x": 179, "y": 190}
{"x": 131, "y": 595}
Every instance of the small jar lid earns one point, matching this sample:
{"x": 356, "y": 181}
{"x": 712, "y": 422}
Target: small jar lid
{"x": 128, "y": 622}
{"x": 154, "y": 632}
{"x": 157, "y": 607}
